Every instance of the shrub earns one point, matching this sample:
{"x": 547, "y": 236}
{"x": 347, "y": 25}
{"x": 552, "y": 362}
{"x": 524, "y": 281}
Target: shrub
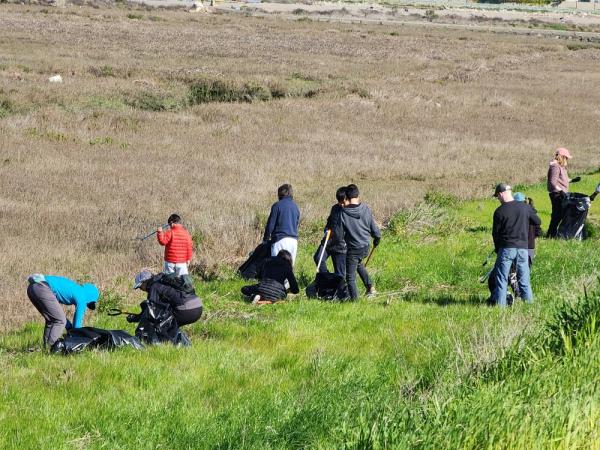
{"x": 425, "y": 218}
{"x": 6, "y": 108}
{"x": 443, "y": 199}
{"x": 150, "y": 101}
{"x": 108, "y": 299}
{"x": 102, "y": 71}
{"x": 208, "y": 91}
{"x": 433, "y": 216}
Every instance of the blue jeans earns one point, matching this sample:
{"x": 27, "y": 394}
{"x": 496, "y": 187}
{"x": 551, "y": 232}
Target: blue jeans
{"x": 504, "y": 260}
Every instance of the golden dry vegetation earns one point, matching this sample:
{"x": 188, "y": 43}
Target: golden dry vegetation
{"x": 90, "y": 163}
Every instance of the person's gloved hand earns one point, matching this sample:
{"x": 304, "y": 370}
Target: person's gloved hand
{"x": 376, "y": 241}
{"x": 576, "y": 179}
{"x": 133, "y": 318}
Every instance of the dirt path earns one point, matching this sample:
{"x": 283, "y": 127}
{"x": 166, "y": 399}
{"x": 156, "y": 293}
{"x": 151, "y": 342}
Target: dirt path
{"x": 560, "y": 24}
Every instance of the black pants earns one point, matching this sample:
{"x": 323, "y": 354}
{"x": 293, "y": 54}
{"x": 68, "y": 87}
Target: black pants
{"x": 338, "y": 260}
{"x": 267, "y": 289}
{"x": 354, "y": 258}
{"x": 556, "y": 198}
{"x": 187, "y": 316}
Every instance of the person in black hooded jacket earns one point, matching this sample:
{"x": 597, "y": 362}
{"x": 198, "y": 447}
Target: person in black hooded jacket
{"x": 336, "y": 246}
{"x": 358, "y": 228}
{"x": 177, "y": 292}
{"x": 276, "y": 278}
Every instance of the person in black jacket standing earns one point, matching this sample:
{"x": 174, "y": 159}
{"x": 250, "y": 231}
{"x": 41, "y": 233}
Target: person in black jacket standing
{"x": 510, "y": 231}
{"x": 336, "y": 246}
{"x": 358, "y": 228}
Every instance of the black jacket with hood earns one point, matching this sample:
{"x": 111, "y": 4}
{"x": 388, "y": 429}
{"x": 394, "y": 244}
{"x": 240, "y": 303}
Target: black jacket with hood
{"x": 359, "y": 227}
{"x": 336, "y": 243}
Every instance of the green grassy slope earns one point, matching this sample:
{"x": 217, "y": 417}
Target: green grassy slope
{"x": 424, "y": 364}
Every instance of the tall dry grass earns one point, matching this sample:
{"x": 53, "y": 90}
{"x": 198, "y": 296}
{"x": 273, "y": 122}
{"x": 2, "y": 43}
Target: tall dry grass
{"x": 87, "y": 165}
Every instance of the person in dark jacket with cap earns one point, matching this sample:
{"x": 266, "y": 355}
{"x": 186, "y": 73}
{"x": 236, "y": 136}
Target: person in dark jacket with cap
{"x": 276, "y": 278}
{"x": 358, "y": 228}
{"x": 510, "y": 231}
{"x": 178, "y": 292}
{"x": 336, "y": 246}
{"x": 48, "y": 292}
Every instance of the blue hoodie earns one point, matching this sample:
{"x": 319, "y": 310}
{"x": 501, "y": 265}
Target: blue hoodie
{"x": 283, "y": 220}
{"x": 70, "y": 293}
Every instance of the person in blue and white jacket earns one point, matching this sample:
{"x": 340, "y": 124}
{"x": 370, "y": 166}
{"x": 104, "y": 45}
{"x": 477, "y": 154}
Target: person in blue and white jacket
{"x": 281, "y": 230}
{"x": 48, "y": 293}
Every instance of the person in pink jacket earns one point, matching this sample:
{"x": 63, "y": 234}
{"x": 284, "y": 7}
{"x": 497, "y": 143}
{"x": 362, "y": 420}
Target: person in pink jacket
{"x": 558, "y": 186}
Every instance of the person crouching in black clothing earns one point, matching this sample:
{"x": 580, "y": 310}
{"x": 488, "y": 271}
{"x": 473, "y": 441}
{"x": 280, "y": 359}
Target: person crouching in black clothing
{"x": 276, "y": 278}
{"x": 178, "y": 292}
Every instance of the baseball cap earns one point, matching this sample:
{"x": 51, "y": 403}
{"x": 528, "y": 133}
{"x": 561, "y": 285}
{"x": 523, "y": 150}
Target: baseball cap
{"x": 563, "y": 152}
{"x": 502, "y": 187}
{"x": 142, "y": 276}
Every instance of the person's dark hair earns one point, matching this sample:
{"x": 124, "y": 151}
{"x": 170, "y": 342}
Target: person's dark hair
{"x": 287, "y": 256}
{"x": 340, "y": 194}
{"x": 174, "y": 218}
{"x": 285, "y": 190}
{"x": 352, "y": 191}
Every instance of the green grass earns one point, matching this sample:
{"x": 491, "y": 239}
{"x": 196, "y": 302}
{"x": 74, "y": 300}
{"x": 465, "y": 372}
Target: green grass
{"x": 425, "y": 364}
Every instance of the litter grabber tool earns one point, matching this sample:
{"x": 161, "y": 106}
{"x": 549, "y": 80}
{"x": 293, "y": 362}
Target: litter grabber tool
{"x": 143, "y": 238}
{"x": 483, "y": 278}
{"x": 488, "y": 258}
{"x": 327, "y": 235}
{"x": 370, "y": 255}
{"x": 118, "y": 312}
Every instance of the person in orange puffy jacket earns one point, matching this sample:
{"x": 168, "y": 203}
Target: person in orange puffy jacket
{"x": 178, "y": 246}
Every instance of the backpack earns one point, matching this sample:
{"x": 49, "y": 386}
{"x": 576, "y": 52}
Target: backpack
{"x": 183, "y": 283}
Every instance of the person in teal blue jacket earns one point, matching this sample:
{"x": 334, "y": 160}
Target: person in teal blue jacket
{"x": 48, "y": 292}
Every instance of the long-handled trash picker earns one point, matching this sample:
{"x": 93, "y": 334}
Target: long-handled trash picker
{"x": 484, "y": 277}
{"x": 327, "y": 234}
{"x": 118, "y": 312}
{"x": 143, "y": 238}
{"x": 369, "y": 257}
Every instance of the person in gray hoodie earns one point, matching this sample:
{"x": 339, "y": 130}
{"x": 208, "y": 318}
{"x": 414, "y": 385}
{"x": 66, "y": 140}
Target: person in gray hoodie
{"x": 358, "y": 228}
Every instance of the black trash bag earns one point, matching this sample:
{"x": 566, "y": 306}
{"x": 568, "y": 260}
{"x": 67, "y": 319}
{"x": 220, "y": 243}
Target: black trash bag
{"x": 575, "y": 211}
{"x": 253, "y": 265}
{"x": 80, "y": 339}
{"x": 157, "y": 324}
{"x": 328, "y": 286}
{"x": 513, "y": 283}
